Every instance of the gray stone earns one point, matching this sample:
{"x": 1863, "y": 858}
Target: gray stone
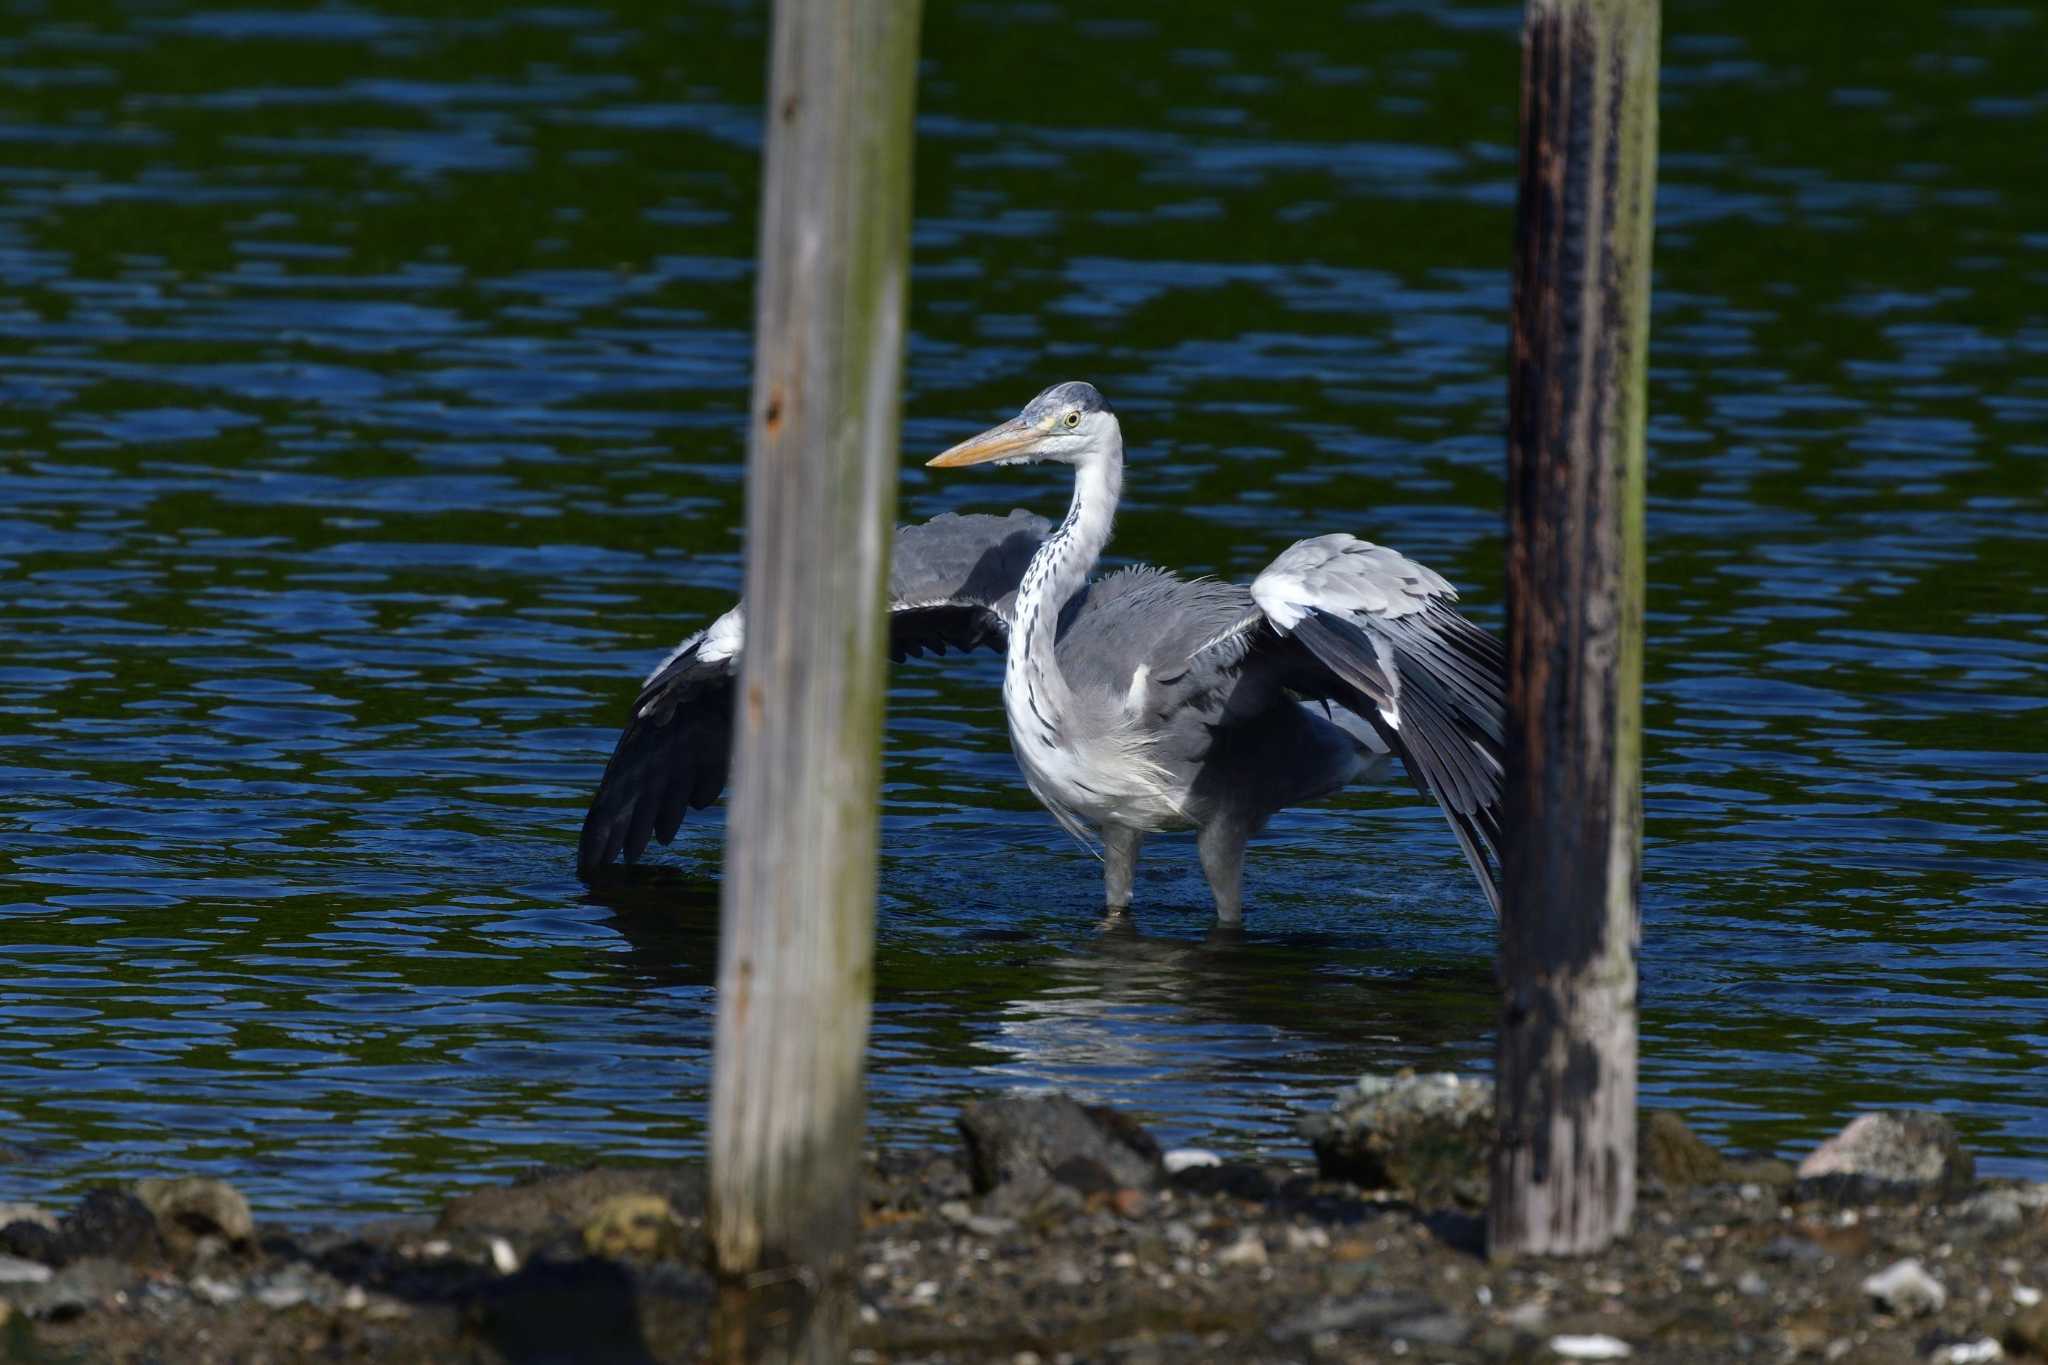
{"x": 1906, "y": 1289}
{"x": 1430, "y": 1329}
{"x": 1904, "y": 1153}
{"x": 2004, "y": 1207}
{"x": 1429, "y": 1137}
{"x": 1374, "y": 1311}
{"x": 1022, "y": 1145}
{"x": 1796, "y": 1250}
{"x": 14, "y": 1270}
{"x": 77, "y": 1288}
{"x": 27, "y": 1213}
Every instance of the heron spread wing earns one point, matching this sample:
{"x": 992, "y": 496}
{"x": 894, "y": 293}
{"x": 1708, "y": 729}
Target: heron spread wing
{"x": 951, "y": 584}
{"x": 1364, "y": 626}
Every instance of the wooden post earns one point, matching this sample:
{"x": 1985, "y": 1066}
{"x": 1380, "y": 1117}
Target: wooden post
{"x": 1565, "y": 1168}
{"x": 797, "y": 929}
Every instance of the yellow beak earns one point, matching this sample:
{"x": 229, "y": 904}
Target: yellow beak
{"x": 1014, "y": 437}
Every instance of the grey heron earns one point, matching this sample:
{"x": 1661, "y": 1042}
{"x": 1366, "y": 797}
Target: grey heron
{"x": 1140, "y": 701}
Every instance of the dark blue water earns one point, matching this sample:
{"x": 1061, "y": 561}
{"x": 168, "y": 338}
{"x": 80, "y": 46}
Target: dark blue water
{"x": 371, "y": 397}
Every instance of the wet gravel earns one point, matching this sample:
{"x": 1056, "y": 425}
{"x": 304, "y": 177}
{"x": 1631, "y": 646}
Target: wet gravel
{"x": 1214, "y": 1262}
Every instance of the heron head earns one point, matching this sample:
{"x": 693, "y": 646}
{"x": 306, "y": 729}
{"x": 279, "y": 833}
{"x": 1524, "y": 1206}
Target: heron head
{"x": 1068, "y": 422}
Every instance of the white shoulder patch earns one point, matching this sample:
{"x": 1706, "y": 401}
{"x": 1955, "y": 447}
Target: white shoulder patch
{"x": 1283, "y": 597}
{"x": 719, "y": 641}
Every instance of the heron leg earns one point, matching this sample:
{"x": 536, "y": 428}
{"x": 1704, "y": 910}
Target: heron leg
{"x": 1119, "y": 864}
{"x": 1221, "y": 844}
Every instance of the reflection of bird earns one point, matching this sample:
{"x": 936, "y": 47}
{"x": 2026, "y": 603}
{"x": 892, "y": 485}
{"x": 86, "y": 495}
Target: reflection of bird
{"x": 1138, "y": 702}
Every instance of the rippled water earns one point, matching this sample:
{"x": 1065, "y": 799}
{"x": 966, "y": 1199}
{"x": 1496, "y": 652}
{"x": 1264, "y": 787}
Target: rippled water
{"x": 370, "y": 419}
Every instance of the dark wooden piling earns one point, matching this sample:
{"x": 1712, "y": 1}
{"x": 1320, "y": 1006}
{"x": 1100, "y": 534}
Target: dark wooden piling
{"x": 1564, "y": 1171}
{"x": 797, "y": 930}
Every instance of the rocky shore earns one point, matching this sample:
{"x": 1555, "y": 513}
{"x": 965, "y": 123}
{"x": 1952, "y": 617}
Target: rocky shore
{"x": 1060, "y": 1232}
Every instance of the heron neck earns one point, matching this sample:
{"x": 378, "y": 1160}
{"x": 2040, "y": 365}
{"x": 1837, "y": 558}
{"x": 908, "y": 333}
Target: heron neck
{"x": 1060, "y": 568}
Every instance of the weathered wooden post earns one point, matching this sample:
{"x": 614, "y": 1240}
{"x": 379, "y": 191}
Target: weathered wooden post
{"x": 797, "y": 928}
{"x": 1565, "y": 1168}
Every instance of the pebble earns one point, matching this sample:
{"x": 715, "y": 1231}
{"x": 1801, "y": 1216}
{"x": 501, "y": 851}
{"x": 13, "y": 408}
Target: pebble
{"x": 1307, "y": 1239}
{"x": 1968, "y": 1352}
{"x": 1751, "y": 1284}
{"x": 281, "y": 1295}
{"x": 1189, "y": 1158}
{"x": 214, "y": 1291}
{"x": 503, "y": 1256}
{"x": 2025, "y": 1295}
{"x": 1246, "y": 1250}
{"x": 1592, "y": 1346}
{"x": 14, "y": 1270}
{"x": 1905, "y": 1288}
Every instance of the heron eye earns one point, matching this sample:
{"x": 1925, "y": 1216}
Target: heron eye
{"x": 1073, "y": 419}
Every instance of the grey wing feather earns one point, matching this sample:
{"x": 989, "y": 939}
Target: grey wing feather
{"x": 951, "y": 582}
{"x": 1433, "y": 685}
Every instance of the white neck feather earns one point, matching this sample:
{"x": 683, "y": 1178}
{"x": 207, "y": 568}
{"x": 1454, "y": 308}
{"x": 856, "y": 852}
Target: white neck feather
{"x": 1056, "y": 573}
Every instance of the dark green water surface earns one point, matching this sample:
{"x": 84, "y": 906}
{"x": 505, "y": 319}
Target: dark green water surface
{"x": 371, "y": 395}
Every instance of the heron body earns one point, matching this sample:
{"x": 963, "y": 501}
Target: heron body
{"x": 1137, "y": 702}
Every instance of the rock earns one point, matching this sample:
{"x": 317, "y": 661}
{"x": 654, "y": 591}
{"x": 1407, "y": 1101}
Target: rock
{"x": 1430, "y": 1329}
{"x": 27, "y": 1213}
{"x": 1590, "y": 1346}
{"x": 1377, "y": 1310}
{"x": 197, "y": 1207}
{"x": 14, "y": 1270}
{"x": 563, "y": 1203}
{"x": 2004, "y": 1207}
{"x": 2027, "y": 1333}
{"x": 1904, "y": 1153}
{"x": 961, "y": 1214}
{"x": 1188, "y": 1159}
{"x": 215, "y": 1292}
{"x": 1797, "y": 1250}
{"x": 295, "y": 1284}
{"x": 1021, "y": 1145}
{"x": 634, "y": 1225}
{"x": 1247, "y": 1250}
{"x": 1968, "y": 1352}
{"x": 33, "y": 1241}
{"x": 1670, "y": 1152}
{"x": 111, "y": 1222}
{"x": 77, "y": 1288}
{"x": 1905, "y": 1289}
{"x": 1429, "y": 1137}
{"x": 1752, "y": 1285}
